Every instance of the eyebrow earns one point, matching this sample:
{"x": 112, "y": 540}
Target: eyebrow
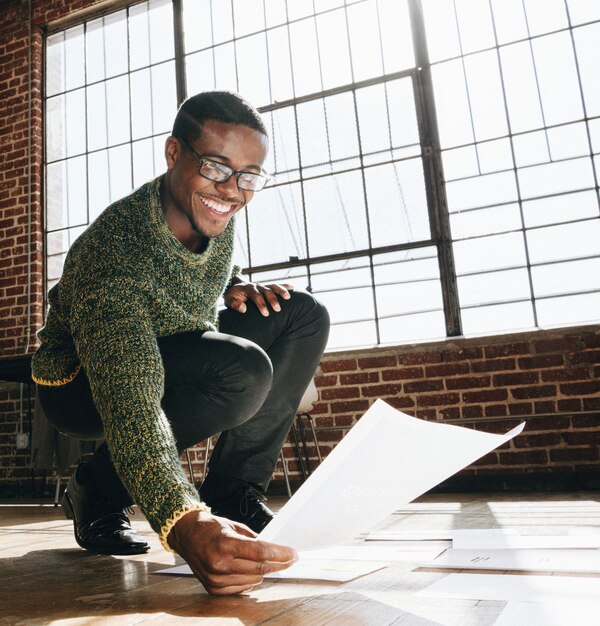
{"x": 211, "y": 155}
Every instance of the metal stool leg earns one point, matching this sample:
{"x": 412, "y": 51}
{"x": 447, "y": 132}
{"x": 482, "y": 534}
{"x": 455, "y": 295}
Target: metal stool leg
{"x": 314, "y": 434}
{"x": 190, "y": 468}
{"x": 57, "y": 491}
{"x": 286, "y": 474}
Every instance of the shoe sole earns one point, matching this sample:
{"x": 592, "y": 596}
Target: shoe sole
{"x": 67, "y": 506}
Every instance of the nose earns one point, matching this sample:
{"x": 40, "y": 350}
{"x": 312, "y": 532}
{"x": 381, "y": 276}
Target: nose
{"x": 229, "y": 188}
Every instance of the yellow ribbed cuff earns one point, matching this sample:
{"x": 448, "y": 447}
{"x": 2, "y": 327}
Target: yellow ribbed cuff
{"x": 57, "y": 383}
{"x": 166, "y": 529}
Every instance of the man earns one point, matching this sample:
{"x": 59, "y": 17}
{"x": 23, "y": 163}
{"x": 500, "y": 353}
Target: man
{"x": 131, "y": 352}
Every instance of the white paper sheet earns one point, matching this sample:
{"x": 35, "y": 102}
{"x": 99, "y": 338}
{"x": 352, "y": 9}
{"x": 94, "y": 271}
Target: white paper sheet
{"x": 548, "y": 614}
{"x": 373, "y": 553}
{"x": 576, "y": 561}
{"x": 409, "y": 535}
{"x": 512, "y": 587}
{"x": 310, "y": 569}
{"x": 510, "y": 539}
{"x": 384, "y": 462}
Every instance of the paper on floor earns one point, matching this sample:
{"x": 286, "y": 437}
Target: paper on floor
{"x": 530, "y": 560}
{"x": 409, "y": 535}
{"x": 511, "y": 587}
{"x": 384, "y": 462}
{"x": 548, "y": 614}
{"x": 373, "y": 553}
{"x": 329, "y": 570}
{"x": 510, "y": 538}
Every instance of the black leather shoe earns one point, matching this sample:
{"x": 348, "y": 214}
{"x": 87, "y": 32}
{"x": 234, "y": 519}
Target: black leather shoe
{"x": 246, "y": 504}
{"x": 99, "y": 528}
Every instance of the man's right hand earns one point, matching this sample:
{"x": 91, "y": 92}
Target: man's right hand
{"x": 225, "y": 556}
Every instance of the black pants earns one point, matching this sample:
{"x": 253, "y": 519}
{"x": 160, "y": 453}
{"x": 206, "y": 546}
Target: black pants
{"x": 245, "y": 382}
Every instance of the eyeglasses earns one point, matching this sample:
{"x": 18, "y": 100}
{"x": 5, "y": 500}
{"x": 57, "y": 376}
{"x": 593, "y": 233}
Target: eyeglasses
{"x": 221, "y": 173}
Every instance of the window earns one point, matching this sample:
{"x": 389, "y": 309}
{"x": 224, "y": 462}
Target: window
{"x": 354, "y": 214}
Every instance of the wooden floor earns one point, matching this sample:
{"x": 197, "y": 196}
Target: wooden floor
{"x": 46, "y": 579}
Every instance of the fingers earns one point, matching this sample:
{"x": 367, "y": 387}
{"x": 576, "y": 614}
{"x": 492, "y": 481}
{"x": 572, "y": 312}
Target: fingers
{"x": 265, "y": 297}
{"x": 264, "y": 552}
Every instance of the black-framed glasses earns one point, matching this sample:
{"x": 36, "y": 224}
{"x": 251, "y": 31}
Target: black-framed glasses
{"x": 221, "y": 173}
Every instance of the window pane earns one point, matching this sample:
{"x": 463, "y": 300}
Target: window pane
{"x": 197, "y": 24}
{"x": 441, "y": 30}
{"x": 55, "y": 64}
{"x": 475, "y": 25}
{"x": 75, "y": 122}
{"x": 56, "y": 137}
{"x": 568, "y": 310}
{"x": 564, "y": 242}
{"x": 280, "y": 65}
{"x": 560, "y": 208}
{"x": 581, "y": 11}
{"x": 99, "y": 183}
{"x": 363, "y": 27}
{"x": 160, "y": 15}
{"x": 225, "y": 70}
{"x": 114, "y": 37}
{"x": 489, "y": 253}
{"x": 333, "y": 51}
{"x": 253, "y": 69}
{"x": 531, "y": 148}
{"x": 481, "y": 191}
{"x": 485, "y": 221}
{"x": 249, "y": 16}
{"x": 566, "y": 277}
{"x": 283, "y": 154}
{"x": 397, "y": 203}
{"x": 588, "y": 60}
{"x": 543, "y": 17}
{"x": 396, "y": 36}
{"x": 409, "y": 328}
{"x": 495, "y": 156}
{"x": 199, "y": 71}
{"x": 497, "y": 318}
{"x": 74, "y": 48}
{"x": 559, "y": 177}
{"x": 509, "y": 20}
{"x": 305, "y": 58}
{"x": 494, "y": 287}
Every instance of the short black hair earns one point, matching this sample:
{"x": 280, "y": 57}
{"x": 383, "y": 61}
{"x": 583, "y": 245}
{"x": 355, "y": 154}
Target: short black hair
{"x": 222, "y": 106}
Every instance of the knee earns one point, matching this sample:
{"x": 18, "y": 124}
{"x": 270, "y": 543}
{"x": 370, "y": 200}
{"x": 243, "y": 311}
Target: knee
{"x": 256, "y": 366}
{"x": 310, "y": 307}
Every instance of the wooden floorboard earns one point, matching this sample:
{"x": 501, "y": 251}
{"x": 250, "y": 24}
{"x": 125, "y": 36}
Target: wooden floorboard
{"x": 46, "y": 579}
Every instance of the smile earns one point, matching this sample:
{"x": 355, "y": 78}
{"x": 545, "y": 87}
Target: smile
{"x": 215, "y": 205}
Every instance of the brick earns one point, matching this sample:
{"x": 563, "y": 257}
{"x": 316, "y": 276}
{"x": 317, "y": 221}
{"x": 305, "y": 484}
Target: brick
{"x": 492, "y": 352}
{"x": 463, "y": 354}
{"x": 591, "y": 341}
{"x": 529, "y": 457}
{"x": 326, "y": 381}
{"x": 581, "y": 389}
{"x": 577, "y": 373}
{"x": 426, "y": 414}
{"x": 589, "y": 356}
{"x": 520, "y": 408}
{"x": 402, "y": 373}
{"x": 560, "y": 344}
{"x": 576, "y": 455}
{"x": 439, "y": 399}
{"x": 447, "y": 369}
{"x": 591, "y": 404}
{"x": 423, "y": 385}
{"x": 572, "y": 404}
{"x": 468, "y": 382}
{"x": 381, "y": 390}
{"x": 342, "y": 365}
{"x": 485, "y": 395}
{"x": 539, "y": 362}
{"x": 494, "y": 410}
{"x": 541, "y": 391}
{"x": 344, "y": 420}
{"x": 543, "y": 440}
{"x": 363, "y": 377}
{"x": 489, "y": 459}
{"x": 544, "y": 406}
{"x": 340, "y": 392}
{"x": 419, "y": 358}
{"x": 377, "y": 362}
{"x": 401, "y": 402}
{"x": 554, "y": 423}
{"x": 586, "y": 421}
{"x": 345, "y": 407}
{"x": 472, "y": 411}
{"x": 320, "y": 408}
{"x": 582, "y": 438}
{"x": 450, "y": 413}
{"x": 494, "y": 365}
{"x": 515, "y": 378}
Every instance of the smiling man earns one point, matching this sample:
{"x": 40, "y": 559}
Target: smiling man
{"x": 134, "y": 351}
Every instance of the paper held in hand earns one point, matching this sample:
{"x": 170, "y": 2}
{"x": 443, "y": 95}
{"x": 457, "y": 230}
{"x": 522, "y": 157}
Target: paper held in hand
{"x": 384, "y": 462}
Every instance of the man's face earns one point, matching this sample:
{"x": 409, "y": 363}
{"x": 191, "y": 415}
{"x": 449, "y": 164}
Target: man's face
{"x": 208, "y": 206}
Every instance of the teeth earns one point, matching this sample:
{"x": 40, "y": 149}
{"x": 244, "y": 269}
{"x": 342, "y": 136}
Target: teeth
{"x": 216, "y": 206}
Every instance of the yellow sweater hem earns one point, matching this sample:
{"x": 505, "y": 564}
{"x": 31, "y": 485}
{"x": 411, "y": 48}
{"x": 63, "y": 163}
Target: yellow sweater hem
{"x": 166, "y": 529}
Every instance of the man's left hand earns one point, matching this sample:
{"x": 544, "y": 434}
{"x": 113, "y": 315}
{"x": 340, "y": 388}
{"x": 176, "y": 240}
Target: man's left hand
{"x": 263, "y": 296}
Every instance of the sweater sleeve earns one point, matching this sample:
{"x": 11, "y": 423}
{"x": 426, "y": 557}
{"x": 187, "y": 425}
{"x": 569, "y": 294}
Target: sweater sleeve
{"x": 117, "y": 347}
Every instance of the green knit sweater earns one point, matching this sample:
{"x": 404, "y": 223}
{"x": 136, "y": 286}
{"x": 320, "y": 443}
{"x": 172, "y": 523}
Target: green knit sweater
{"x": 127, "y": 280}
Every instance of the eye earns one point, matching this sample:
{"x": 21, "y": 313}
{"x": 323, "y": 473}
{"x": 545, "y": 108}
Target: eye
{"x": 215, "y": 170}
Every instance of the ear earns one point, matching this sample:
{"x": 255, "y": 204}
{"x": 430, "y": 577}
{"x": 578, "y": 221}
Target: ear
{"x": 172, "y": 151}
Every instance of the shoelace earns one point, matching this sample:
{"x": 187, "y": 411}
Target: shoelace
{"x": 250, "y": 495}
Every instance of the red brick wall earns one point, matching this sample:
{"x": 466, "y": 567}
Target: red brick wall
{"x": 551, "y": 377}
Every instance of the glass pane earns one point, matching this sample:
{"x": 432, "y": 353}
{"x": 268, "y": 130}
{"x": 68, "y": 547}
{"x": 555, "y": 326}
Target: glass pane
{"x": 588, "y": 60}
{"x": 560, "y": 208}
{"x": 305, "y": 58}
{"x": 56, "y": 137}
{"x": 161, "y": 30}
{"x": 509, "y": 20}
{"x": 566, "y": 241}
{"x": 55, "y": 64}
{"x": 494, "y": 287}
{"x": 396, "y": 36}
{"x": 452, "y": 104}
{"x": 99, "y": 183}
{"x": 119, "y": 168}
{"x": 94, "y": 50}
{"x": 197, "y": 24}
{"x": 460, "y": 163}
{"x": 249, "y": 16}
{"x": 581, "y": 11}
{"x": 489, "y": 253}
{"x": 143, "y": 161}
{"x": 566, "y": 277}
{"x": 139, "y": 37}
{"x": 240, "y": 246}
{"x": 522, "y": 97}
{"x": 568, "y": 309}
{"x": 568, "y": 141}
{"x": 365, "y": 46}
{"x": 352, "y": 335}
{"x": 299, "y": 8}
{"x": 485, "y": 221}
{"x": 225, "y": 69}
{"x": 253, "y": 69}
{"x": 283, "y": 153}
{"x": 544, "y": 17}
{"x": 312, "y": 129}
{"x": 276, "y": 225}
{"x": 199, "y": 72}
{"x": 164, "y": 97}
{"x": 406, "y": 266}
{"x": 485, "y": 95}
{"x": 334, "y": 53}
{"x": 475, "y": 25}
{"x": 141, "y": 103}
{"x": 495, "y": 156}
{"x": 335, "y": 212}
{"x": 497, "y": 318}
{"x": 75, "y": 122}
{"x": 117, "y": 102}
{"x": 409, "y": 328}
{"x": 481, "y": 191}
{"x": 412, "y": 297}
{"x": 441, "y": 30}
{"x": 397, "y": 203}
{"x": 531, "y": 148}
{"x": 280, "y": 65}
{"x": 222, "y": 21}
{"x": 541, "y": 180}
{"x": 557, "y": 75}
{"x": 115, "y": 44}
{"x": 275, "y": 12}
{"x": 66, "y": 193}
{"x": 74, "y": 57}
